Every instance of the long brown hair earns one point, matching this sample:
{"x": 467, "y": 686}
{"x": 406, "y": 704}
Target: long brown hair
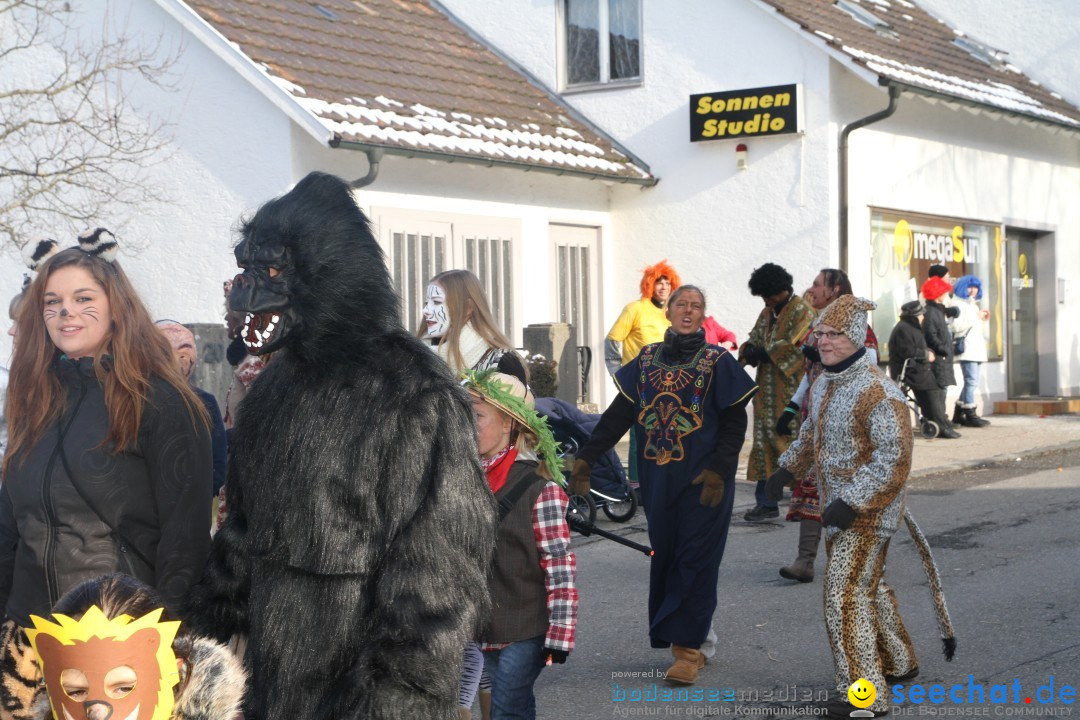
{"x": 35, "y": 397}
{"x": 467, "y": 304}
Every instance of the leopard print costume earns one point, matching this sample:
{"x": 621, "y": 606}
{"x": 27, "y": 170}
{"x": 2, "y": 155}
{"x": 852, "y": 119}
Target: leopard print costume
{"x": 857, "y": 440}
{"x": 21, "y": 688}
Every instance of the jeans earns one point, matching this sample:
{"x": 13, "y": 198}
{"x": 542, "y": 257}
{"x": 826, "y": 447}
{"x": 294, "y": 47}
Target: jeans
{"x": 970, "y": 370}
{"x": 513, "y": 670}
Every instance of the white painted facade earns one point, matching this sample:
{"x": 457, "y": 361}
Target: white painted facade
{"x": 716, "y": 223}
{"x": 234, "y": 147}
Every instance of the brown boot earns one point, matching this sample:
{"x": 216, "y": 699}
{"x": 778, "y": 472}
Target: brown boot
{"x": 688, "y": 662}
{"x": 803, "y": 567}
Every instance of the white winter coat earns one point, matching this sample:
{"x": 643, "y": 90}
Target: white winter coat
{"x": 973, "y": 328}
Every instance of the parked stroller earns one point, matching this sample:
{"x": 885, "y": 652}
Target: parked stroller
{"x": 927, "y": 427}
{"x": 611, "y": 489}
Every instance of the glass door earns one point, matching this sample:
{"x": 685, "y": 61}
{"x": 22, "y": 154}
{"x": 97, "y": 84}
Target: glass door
{"x": 1023, "y": 357}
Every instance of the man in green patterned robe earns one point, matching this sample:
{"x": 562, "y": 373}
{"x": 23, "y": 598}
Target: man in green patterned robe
{"x": 774, "y": 348}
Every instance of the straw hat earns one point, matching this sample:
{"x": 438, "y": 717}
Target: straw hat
{"x": 510, "y": 396}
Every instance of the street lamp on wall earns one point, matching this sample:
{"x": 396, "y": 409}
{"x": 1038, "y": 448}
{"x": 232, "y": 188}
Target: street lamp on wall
{"x": 741, "y": 162}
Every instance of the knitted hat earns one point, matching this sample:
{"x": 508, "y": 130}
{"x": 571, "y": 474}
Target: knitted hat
{"x": 847, "y": 314}
{"x": 912, "y": 309}
{"x": 509, "y": 395}
{"x": 938, "y": 271}
{"x": 935, "y": 287}
{"x": 654, "y": 273}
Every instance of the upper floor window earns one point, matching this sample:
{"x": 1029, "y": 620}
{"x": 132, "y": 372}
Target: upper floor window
{"x": 602, "y": 41}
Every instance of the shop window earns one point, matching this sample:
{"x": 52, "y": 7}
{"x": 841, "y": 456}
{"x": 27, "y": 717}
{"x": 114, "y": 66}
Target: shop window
{"x": 602, "y": 42}
{"x": 905, "y": 245}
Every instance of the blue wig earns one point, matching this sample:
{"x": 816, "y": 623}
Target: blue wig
{"x": 961, "y": 286}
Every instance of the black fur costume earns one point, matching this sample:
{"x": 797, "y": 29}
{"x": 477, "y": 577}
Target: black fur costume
{"x": 360, "y": 526}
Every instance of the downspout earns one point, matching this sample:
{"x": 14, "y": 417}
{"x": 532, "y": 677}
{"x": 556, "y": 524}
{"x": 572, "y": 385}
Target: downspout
{"x": 894, "y": 95}
{"x": 374, "y": 156}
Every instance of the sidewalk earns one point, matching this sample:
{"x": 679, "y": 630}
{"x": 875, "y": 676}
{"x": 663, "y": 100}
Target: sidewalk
{"x": 1007, "y": 437}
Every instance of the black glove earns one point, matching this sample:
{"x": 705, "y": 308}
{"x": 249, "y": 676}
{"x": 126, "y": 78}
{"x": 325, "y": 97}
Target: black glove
{"x": 556, "y": 657}
{"x": 811, "y": 353}
{"x": 759, "y": 356}
{"x": 838, "y": 514}
{"x": 774, "y": 486}
{"x": 744, "y": 354}
{"x": 953, "y": 311}
{"x": 783, "y": 425}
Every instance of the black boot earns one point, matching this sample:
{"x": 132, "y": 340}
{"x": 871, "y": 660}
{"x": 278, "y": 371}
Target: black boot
{"x": 938, "y": 415}
{"x": 972, "y": 419}
{"x": 958, "y": 414}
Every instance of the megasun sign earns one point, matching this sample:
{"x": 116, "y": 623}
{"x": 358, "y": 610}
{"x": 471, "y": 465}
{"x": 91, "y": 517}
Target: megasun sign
{"x": 754, "y": 112}
{"x": 903, "y": 247}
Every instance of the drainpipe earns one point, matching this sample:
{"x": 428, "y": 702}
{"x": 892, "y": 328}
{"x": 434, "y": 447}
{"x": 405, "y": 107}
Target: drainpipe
{"x": 894, "y": 95}
{"x": 374, "y": 156}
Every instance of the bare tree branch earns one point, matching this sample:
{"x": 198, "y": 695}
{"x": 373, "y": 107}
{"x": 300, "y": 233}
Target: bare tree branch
{"x": 73, "y": 148}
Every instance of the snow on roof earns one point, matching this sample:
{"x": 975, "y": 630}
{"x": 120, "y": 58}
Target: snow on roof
{"x": 922, "y": 52}
{"x": 402, "y": 75}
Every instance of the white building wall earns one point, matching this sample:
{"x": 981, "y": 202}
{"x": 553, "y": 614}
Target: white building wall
{"x": 937, "y": 160}
{"x": 716, "y": 224}
{"x": 227, "y": 154}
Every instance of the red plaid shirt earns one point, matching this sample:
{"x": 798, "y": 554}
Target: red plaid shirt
{"x": 560, "y": 568}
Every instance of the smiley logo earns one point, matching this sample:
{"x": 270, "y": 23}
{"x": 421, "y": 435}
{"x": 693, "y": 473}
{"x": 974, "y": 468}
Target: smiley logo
{"x": 862, "y": 693}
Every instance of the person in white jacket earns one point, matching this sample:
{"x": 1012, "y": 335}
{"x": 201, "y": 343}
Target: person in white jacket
{"x": 969, "y": 329}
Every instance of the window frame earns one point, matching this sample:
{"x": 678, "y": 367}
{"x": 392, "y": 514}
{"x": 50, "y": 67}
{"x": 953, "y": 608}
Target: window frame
{"x": 604, "y": 51}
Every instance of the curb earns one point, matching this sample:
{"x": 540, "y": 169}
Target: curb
{"x": 994, "y": 460}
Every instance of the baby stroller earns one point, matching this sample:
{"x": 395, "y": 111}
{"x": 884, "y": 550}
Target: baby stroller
{"x": 611, "y": 490}
{"x": 927, "y": 427}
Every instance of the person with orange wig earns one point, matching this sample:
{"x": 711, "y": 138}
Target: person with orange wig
{"x": 642, "y": 322}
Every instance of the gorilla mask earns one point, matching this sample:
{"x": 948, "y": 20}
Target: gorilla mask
{"x": 263, "y": 291}
{"x": 314, "y": 280}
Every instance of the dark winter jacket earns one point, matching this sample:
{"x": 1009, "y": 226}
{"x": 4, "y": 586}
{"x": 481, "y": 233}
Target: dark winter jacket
{"x": 935, "y": 329}
{"x": 156, "y": 496}
{"x": 907, "y": 343}
{"x": 218, "y": 439}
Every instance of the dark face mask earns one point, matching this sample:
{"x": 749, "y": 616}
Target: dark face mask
{"x": 263, "y": 292}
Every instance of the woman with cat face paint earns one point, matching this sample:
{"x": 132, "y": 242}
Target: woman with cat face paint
{"x": 459, "y": 324}
{"x": 108, "y": 466}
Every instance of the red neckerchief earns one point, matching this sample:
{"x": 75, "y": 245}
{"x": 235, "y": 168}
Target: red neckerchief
{"x": 498, "y": 467}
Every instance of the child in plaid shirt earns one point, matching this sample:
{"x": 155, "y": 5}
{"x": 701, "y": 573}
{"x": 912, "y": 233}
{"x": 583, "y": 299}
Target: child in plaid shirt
{"x": 533, "y": 595}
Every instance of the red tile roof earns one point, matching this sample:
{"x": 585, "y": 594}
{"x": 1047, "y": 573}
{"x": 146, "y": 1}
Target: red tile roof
{"x": 917, "y": 50}
{"x": 402, "y": 75}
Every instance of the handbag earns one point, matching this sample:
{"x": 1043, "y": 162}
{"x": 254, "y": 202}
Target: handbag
{"x": 958, "y": 345}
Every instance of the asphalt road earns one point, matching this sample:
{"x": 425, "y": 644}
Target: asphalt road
{"x": 1006, "y": 540}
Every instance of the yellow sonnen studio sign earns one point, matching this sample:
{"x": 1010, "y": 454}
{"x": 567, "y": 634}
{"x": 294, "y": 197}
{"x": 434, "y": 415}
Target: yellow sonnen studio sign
{"x": 746, "y": 113}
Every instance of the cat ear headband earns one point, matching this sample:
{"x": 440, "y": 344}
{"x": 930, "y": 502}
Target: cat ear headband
{"x": 98, "y": 242}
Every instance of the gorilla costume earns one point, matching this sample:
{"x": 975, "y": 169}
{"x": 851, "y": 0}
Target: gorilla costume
{"x": 360, "y": 527}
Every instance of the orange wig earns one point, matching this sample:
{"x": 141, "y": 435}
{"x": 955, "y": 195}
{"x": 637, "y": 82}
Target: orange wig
{"x": 654, "y": 273}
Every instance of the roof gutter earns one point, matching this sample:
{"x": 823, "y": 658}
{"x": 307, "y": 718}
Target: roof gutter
{"x": 367, "y": 148}
{"x": 374, "y": 157}
{"x": 990, "y": 110}
{"x": 894, "y": 95}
